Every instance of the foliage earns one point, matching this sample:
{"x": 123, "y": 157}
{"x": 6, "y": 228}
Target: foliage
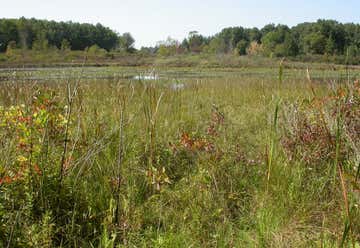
{"x": 65, "y": 45}
{"x": 324, "y": 37}
{"x": 241, "y": 47}
{"x": 168, "y": 47}
{"x": 10, "y": 48}
{"x": 313, "y": 133}
{"x": 151, "y": 165}
{"x": 126, "y": 42}
{"x": 321, "y": 41}
{"x": 195, "y": 42}
{"x": 41, "y": 43}
{"x": 26, "y": 32}
{"x": 32, "y": 134}
{"x": 96, "y": 50}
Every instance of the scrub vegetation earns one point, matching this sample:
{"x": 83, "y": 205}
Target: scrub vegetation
{"x": 228, "y": 160}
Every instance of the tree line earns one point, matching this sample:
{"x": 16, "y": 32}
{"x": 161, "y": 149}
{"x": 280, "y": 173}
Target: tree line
{"x": 42, "y": 34}
{"x": 324, "y": 37}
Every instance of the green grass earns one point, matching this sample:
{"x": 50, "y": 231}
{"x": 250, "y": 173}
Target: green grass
{"x": 57, "y": 58}
{"x": 221, "y": 162}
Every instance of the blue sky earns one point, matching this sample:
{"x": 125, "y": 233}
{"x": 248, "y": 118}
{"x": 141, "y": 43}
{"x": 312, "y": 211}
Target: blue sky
{"x": 150, "y": 21}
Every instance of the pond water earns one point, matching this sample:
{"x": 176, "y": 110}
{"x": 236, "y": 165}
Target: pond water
{"x": 145, "y": 74}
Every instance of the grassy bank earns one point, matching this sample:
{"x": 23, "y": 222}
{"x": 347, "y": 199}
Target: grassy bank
{"x": 230, "y": 161}
{"x": 56, "y": 58}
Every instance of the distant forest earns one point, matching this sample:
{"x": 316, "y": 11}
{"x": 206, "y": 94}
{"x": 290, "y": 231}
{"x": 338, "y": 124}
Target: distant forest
{"x": 324, "y": 37}
{"x": 42, "y": 34}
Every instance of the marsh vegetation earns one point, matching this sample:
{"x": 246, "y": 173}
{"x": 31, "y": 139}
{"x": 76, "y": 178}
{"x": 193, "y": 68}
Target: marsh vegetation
{"x": 232, "y": 158}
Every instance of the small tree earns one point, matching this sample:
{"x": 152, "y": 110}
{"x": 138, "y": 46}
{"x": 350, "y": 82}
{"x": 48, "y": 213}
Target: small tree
{"x": 65, "y": 45}
{"x": 291, "y": 47}
{"x": 315, "y": 43}
{"x": 254, "y": 49}
{"x": 353, "y": 51}
{"x": 11, "y": 46}
{"x": 41, "y": 43}
{"x": 96, "y": 50}
{"x": 185, "y": 45}
{"x": 330, "y": 46}
{"x": 241, "y": 47}
{"x": 195, "y": 41}
{"x": 163, "y": 51}
{"x": 168, "y": 47}
{"x": 126, "y": 43}
{"x": 217, "y": 45}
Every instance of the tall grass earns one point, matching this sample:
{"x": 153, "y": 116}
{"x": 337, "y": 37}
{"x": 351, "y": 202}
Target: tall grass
{"x": 144, "y": 164}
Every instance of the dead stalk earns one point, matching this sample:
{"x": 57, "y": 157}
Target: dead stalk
{"x": 71, "y": 93}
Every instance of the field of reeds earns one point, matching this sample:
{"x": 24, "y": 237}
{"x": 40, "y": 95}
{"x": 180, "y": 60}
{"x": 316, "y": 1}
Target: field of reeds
{"x": 124, "y": 157}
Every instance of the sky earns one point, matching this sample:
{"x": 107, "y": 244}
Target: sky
{"x": 150, "y": 21}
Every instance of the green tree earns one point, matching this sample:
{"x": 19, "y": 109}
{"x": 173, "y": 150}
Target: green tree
{"x": 167, "y": 47}
{"x": 41, "y": 43}
{"x": 291, "y": 47}
{"x": 96, "y": 50}
{"x": 65, "y": 45}
{"x": 241, "y": 47}
{"x": 185, "y": 45}
{"x": 254, "y": 34}
{"x": 353, "y": 51}
{"x": 8, "y": 32}
{"x": 270, "y": 42}
{"x": 25, "y": 33}
{"x": 126, "y": 42}
{"x": 330, "y": 46}
{"x": 217, "y": 45}
{"x": 267, "y": 29}
{"x": 315, "y": 43}
{"x": 195, "y": 41}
